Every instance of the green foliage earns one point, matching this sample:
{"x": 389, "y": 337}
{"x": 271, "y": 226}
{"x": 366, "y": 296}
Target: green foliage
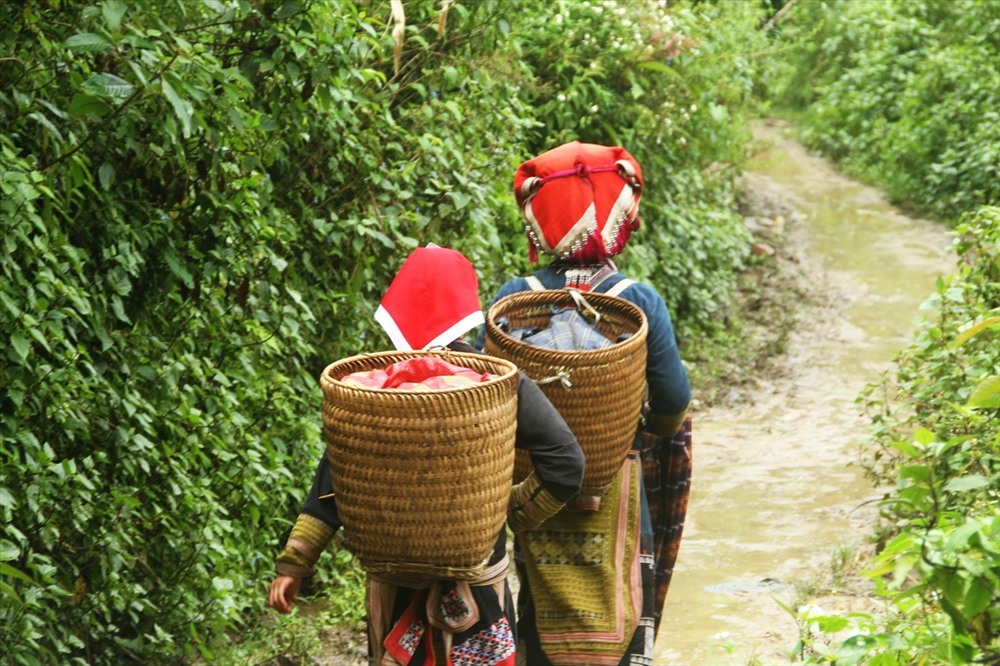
{"x": 197, "y": 205}
{"x": 904, "y": 94}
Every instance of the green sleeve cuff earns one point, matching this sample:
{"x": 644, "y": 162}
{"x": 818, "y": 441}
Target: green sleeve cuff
{"x": 530, "y": 505}
{"x": 308, "y": 539}
{"x": 664, "y": 425}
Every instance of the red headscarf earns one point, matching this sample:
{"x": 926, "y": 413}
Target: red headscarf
{"x": 580, "y": 200}
{"x": 433, "y": 300}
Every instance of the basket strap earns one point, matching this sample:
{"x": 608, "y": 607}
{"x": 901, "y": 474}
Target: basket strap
{"x": 619, "y": 287}
{"x": 535, "y": 283}
{"x": 416, "y": 579}
{"x": 582, "y": 304}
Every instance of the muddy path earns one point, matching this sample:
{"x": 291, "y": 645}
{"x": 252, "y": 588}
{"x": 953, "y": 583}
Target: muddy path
{"x": 776, "y": 497}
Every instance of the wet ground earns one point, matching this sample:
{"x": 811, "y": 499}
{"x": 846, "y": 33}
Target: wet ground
{"x": 775, "y": 496}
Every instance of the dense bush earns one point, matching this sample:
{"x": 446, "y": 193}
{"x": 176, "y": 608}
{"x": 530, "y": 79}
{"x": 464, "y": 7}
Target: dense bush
{"x": 199, "y": 201}
{"x": 903, "y": 94}
{"x": 201, "y": 204}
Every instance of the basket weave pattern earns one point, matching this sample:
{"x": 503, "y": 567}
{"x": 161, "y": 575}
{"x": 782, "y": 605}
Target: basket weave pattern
{"x": 422, "y": 479}
{"x": 603, "y": 398}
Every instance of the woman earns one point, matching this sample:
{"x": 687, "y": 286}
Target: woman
{"x": 433, "y": 301}
{"x": 587, "y": 593}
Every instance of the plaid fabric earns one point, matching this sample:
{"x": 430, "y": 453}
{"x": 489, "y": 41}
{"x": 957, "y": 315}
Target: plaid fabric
{"x": 666, "y": 468}
{"x": 568, "y": 330}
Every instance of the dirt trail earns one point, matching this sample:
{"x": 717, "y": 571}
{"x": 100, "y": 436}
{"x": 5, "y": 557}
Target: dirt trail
{"x": 775, "y": 497}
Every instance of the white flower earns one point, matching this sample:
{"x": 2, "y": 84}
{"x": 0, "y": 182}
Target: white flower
{"x": 595, "y": 108}
{"x": 561, "y": 97}
{"x": 694, "y": 107}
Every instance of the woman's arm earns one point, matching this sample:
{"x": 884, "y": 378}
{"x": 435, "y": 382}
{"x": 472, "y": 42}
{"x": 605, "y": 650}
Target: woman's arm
{"x": 315, "y": 526}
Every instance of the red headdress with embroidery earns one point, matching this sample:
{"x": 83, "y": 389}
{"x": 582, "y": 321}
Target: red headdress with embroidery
{"x": 433, "y": 300}
{"x": 580, "y": 200}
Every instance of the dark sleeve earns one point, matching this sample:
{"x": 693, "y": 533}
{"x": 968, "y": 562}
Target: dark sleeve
{"x": 542, "y": 432}
{"x": 669, "y": 387}
{"x": 511, "y": 287}
{"x": 320, "y": 502}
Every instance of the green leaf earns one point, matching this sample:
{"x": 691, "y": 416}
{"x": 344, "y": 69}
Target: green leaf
{"x": 959, "y": 537}
{"x": 108, "y": 85}
{"x": 46, "y": 123}
{"x": 7, "y": 591}
{"x": 905, "y": 447}
{"x": 829, "y": 623}
{"x": 968, "y": 482}
{"x": 718, "y": 112}
{"x": 113, "y": 11}
{"x": 87, "y": 42}
{"x": 986, "y": 394}
{"x": 119, "y": 309}
{"x": 87, "y": 105}
{"x": 461, "y": 199}
{"x": 178, "y": 269}
{"x": 8, "y": 571}
{"x": 20, "y": 345}
{"x": 288, "y": 9}
{"x": 9, "y": 550}
{"x": 9, "y": 303}
{"x": 977, "y": 598}
{"x": 973, "y": 330}
{"x": 182, "y": 108}
{"x": 662, "y": 68}
{"x": 106, "y": 175}
{"x": 917, "y": 472}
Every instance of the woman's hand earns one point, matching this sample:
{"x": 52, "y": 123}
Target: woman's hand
{"x": 284, "y": 591}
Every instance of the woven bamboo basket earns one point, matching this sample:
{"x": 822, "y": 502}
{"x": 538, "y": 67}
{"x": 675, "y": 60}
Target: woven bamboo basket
{"x": 422, "y": 479}
{"x": 598, "y": 392}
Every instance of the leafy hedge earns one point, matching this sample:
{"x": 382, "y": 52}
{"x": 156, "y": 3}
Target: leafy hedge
{"x": 201, "y": 204}
{"x": 902, "y": 93}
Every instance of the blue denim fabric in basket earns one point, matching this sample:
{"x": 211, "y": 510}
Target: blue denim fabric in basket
{"x": 568, "y": 330}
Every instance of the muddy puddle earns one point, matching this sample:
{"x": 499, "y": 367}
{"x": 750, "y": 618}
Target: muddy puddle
{"x": 774, "y": 492}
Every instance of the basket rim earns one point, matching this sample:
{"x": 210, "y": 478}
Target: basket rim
{"x": 327, "y": 379}
{"x": 540, "y": 294}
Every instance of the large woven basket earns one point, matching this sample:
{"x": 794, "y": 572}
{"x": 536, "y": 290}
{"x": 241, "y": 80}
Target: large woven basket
{"x": 422, "y": 479}
{"x": 598, "y": 392}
